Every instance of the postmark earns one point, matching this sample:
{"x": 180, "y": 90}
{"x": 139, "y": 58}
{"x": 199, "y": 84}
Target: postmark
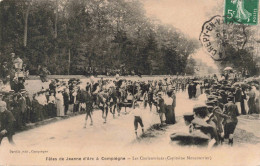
{"x": 216, "y": 36}
{"x": 243, "y": 11}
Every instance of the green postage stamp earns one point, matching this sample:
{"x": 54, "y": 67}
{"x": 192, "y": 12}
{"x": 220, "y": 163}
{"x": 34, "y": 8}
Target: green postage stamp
{"x": 241, "y": 11}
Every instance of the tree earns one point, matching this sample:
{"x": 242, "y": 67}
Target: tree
{"x": 69, "y": 36}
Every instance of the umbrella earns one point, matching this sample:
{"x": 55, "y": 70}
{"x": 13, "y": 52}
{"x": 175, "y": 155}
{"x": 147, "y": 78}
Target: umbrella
{"x": 180, "y": 136}
{"x": 196, "y": 137}
{"x": 241, "y": 84}
{"x": 252, "y": 80}
{"x": 200, "y": 123}
{"x": 228, "y": 68}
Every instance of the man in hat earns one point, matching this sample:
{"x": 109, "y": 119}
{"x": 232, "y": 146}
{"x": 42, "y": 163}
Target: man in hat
{"x": 231, "y": 110}
{"x": 201, "y": 123}
{"x": 52, "y": 86}
{"x": 6, "y": 123}
{"x": 211, "y": 97}
{"x": 217, "y": 117}
{"x": 223, "y": 96}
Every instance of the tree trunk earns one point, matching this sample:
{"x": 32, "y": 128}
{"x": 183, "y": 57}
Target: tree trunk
{"x": 26, "y": 26}
{"x": 69, "y": 64}
{"x": 56, "y": 21}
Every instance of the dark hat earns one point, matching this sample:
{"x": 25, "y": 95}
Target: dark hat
{"x": 210, "y": 103}
{"x": 199, "y": 107}
{"x": 214, "y": 93}
{"x": 211, "y": 97}
{"x": 222, "y": 92}
{"x": 188, "y": 117}
{"x": 215, "y": 101}
{"x": 201, "y": 110}
{"x": 207, "y": 91}
{"x": 230, "y": 97}
{"x": 224, "y": 82}
{"x": 222, "y": 87}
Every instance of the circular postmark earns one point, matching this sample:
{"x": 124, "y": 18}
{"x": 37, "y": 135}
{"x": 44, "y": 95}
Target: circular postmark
{"x": 217, "y": 35}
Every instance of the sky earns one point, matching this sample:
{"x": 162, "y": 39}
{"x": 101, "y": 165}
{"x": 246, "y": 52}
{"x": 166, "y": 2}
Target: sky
{"x": 186, "y": 15}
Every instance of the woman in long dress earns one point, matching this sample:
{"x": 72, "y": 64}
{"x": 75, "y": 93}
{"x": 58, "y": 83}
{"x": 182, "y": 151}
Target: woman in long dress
{"x": 60, "y": 104}
{"x": 51, "y": 105}
{"x": 169, "y": 108}
{"x": 198, "y": 90}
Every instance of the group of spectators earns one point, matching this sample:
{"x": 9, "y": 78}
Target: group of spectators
{"x": 64, "y": 98}
{"x": 223, "y": 101}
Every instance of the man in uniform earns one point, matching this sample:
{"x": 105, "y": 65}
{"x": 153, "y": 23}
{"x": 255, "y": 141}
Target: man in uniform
{"x": 6, "y": 123}
{"x": 231, "y": 110}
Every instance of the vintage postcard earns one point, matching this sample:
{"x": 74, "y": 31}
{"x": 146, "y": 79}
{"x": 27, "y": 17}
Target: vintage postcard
{"x": 129, "y": 82}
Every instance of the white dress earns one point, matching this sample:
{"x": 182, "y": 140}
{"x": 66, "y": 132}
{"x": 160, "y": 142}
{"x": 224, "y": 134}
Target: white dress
{"x": 198, "y": 91}
{"x": 60, "y": 104}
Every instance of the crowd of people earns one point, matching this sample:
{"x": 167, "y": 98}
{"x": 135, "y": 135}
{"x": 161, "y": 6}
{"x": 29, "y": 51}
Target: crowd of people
{"x": 224, "y": 101}
{"x": 64, "y": 98}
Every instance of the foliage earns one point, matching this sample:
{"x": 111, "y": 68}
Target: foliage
{"x": 70, "y": 36}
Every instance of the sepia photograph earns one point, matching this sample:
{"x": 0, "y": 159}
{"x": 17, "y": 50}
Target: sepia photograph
{"x": 129, "y": 82}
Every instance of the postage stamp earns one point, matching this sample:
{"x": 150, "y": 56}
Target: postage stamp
{"x": 216, "y": 36}
{"x": 242, "y": 11}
